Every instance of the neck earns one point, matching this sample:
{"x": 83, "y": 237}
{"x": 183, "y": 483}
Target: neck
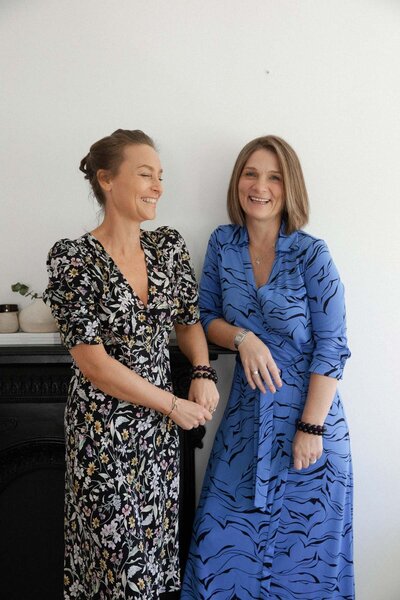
{"x": 262, "y": 235}
{"x": 119, "y": 236}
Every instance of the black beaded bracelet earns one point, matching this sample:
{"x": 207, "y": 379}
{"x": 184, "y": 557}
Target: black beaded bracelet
{"x": 204, "y": 375}
{"x": 310, "y": 428}
{"x": 203, "y": 368}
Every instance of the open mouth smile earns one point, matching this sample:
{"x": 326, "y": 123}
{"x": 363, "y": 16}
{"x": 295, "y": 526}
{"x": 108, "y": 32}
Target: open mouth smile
{"x": 150, "y": 200}
{"x": 260, "y": 201}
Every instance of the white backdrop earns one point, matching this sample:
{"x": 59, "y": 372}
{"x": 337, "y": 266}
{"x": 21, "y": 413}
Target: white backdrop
{"x": 203, "y": 77}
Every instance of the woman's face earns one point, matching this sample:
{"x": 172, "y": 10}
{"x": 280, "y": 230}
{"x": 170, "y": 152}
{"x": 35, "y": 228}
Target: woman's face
{"x": 135, "y": 190}
{"x": 260, "y": 187}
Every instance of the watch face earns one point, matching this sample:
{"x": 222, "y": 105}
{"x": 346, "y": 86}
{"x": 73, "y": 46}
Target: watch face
{"x": 239, "y": 337}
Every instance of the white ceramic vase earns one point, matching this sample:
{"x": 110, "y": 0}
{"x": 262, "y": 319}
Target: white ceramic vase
{"x": 37, "y": 318}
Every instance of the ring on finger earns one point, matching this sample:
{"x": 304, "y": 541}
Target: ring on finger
{"x": 255, "y": 372}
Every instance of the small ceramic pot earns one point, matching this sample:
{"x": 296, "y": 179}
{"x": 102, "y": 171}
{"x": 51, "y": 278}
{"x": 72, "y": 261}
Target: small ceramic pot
{"x": 37, "y": 318}
{"x": 9, "y": 318}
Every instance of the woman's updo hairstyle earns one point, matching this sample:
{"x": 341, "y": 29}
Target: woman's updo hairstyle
{"x": 108, "y": 154}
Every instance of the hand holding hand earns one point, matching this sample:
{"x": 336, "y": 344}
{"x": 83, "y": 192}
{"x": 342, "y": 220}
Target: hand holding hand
{"x": 307, "y": 449}
{"x": 189, "y": 415}
{"x": 259, "y": 366}
{"x": 204, "y": 392}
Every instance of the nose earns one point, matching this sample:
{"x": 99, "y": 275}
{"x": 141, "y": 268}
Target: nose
{"x": 157, "y": 185}
{"x": 261, "y": 184}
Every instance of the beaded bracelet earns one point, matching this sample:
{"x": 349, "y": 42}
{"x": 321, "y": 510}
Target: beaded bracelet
{"x": 203, "y": 368}
{"x": 174, "y": 403}
{"x": 204, "y": 375}
{"x": 310, "y": 428}
{"x": 204, "y": 372}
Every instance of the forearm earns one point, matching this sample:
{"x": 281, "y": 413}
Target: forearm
{"x": 192, "y": 342}
{"x": 115, "y": 379}
{"x": 222, "y": 333}
{"x": 321, "y": 392}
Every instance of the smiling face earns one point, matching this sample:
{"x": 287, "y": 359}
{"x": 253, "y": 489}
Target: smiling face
{"x": 134, "y": 191}
{"x": 260, "y": 187}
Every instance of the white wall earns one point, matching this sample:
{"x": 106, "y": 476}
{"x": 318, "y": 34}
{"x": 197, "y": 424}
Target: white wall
{"x": 204, "y": 77}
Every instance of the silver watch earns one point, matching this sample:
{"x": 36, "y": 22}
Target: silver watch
{"x": 239, "y": 337}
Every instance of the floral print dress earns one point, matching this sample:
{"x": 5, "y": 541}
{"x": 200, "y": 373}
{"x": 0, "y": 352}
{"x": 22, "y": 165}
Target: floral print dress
{"x": 122, "y": 459}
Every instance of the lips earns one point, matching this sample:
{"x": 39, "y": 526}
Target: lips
{"x": 260, "y": 201}
{"x": 152, "y": 201}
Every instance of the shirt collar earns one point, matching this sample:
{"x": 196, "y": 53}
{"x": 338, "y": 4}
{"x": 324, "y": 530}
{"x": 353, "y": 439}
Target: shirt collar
{"x": 284, "y": 243}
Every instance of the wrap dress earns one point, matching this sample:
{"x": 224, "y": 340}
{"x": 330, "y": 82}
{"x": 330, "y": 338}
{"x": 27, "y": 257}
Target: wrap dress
{"x": 122, "y": 459}
{"x": 262, "y": 529}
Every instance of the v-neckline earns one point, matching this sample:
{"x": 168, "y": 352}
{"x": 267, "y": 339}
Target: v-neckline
{"x": 250, "y": 271}
{"x": 116, "y": 268}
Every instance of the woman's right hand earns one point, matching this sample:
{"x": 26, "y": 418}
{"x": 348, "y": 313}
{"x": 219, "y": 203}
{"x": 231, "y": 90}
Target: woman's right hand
{"x": 189, "y": 415}
{"x": 259, "y": 366}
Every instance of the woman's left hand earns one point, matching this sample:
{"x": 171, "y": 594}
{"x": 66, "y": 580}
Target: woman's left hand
{"x": 307, "y": 449}
{"x": 205, "y": 393}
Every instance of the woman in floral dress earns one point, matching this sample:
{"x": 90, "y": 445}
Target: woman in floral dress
{"x": 116, "y": 294}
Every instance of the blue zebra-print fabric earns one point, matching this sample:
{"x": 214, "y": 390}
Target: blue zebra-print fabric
{"x": 262, "y": 529}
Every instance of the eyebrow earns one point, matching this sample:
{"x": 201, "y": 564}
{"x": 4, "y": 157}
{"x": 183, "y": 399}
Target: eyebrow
{"x": 255, "y": 169}
{"x": 149, "y": 167}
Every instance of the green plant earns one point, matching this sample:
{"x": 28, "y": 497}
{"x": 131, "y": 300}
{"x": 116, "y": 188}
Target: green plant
{"x": 23, "y": 289}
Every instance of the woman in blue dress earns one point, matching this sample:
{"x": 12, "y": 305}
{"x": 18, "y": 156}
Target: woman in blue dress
{"x": 275, "y": 514}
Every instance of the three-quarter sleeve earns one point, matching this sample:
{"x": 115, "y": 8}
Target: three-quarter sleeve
{"x": 328, "y": 316}
{"x": 186, "y": 295}
{"x": 71, "y": 294}
{"x": 210, "y": 297}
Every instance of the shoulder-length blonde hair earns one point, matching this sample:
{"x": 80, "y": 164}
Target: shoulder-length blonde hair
{"x": 296, "y": 210}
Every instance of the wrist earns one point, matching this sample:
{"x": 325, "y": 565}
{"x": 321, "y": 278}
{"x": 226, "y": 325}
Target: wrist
{"x": 239, "y": 337}
{"x": 312, "y": 418}
{"x": 203, "y": 372}
{"x": 174, "y": 405}
{"x": 310, "y": 428}
{"x": 166, "y": 403}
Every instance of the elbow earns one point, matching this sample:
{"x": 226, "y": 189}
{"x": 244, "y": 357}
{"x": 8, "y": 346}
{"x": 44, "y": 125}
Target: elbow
{"x": 329, "y": 359}
{"x": 92, "y": 362}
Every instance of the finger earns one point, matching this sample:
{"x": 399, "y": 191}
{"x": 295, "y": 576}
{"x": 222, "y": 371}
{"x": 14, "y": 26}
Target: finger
{"x": 267, "y": 379}
{"x": 207, "y": 415}
{"x": 249, "y": 378}
{"x": 297, "y": 464}
{"x": 274, "y": 372}
{"x": 257, "y": 379}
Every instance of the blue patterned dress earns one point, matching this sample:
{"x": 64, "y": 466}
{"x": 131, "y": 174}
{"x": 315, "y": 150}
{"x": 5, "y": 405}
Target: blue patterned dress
{"x": 264, "y": 530}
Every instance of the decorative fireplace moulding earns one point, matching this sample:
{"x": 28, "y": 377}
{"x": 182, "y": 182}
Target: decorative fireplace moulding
{"x": 33, "y": 388}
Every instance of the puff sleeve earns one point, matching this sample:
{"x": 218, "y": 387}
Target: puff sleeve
{"x": 328, "y": 316}
{"x": 186, "y": 291}
{"x": 71, "y": 294}
{"x": 210, "y": 298}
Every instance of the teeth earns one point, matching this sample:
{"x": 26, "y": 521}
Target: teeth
{"x": 150, "y": 200}
{"x": 259, "y": 200}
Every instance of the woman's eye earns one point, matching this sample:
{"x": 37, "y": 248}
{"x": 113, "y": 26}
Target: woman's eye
{"x": 145, "y": 175}
{"x": 250, "y": 174}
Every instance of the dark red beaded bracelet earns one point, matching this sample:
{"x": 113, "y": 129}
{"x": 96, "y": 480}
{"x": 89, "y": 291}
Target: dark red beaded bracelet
{"x": 310, "y": 428}
{"x": 204, "y": 375}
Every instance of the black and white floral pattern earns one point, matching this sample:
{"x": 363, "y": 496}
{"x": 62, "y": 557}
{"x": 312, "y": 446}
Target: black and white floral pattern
{"x": 122, "y": 481}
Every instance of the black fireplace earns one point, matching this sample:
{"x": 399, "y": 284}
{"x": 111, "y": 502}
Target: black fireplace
{"x": 33, "y": 388}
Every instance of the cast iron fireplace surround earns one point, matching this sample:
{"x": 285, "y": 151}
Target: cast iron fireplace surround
{"x": 33, "y": 388}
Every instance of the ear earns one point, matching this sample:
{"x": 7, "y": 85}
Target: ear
{"x": 104, "y": 178}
